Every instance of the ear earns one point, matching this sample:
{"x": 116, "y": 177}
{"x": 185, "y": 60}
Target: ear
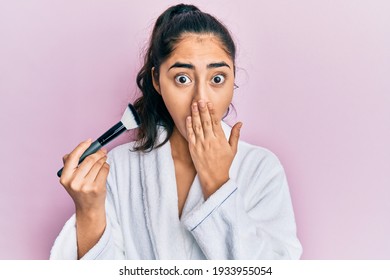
{"x": 155, "y": 82}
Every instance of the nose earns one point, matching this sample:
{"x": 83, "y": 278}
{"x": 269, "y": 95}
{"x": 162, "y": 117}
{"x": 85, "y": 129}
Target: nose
{"x": 200, "y": 92}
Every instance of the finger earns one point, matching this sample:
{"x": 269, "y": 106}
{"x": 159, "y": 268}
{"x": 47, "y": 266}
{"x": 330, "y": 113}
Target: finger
{"x": 190, "y": 131}
{"x": 101, "y": 177}
{"x": 205, "y": 119}
{"x": 235, "y": 136}
{"x": 64, "y": 158}
{"x": 196, "y": 123}
{"x": 73, "y": 158}
{"x": 93, "y": 172}
{"x": 215, "y": 121}
{"x": 85, "y": 167}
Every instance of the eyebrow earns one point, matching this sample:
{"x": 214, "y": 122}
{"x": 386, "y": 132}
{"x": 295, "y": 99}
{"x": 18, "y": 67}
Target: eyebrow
{"x": 191, "y": 66}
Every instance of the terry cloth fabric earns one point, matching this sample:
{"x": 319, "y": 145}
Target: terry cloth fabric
{"x": 249, "y": 217}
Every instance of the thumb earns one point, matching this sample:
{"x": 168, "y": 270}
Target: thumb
{"x": 64, "y": 158}
{"x": 235, "y": 136}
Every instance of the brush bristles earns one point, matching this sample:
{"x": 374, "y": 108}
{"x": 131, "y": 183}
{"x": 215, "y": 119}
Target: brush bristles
{"x": 130, "y": 118}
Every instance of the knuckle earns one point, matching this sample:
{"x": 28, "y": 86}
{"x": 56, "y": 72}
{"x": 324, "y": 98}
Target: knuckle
{"x": 71, "y": 156}
{"x": 88, "y": 190}
{"x": 190, "y": 134}
{"x": 89, "y": 160}
{"x": 93, "y": 189}
{"x": 101, "y": 161}
{"x": 197, "y": 127}
{"x": 74, "y": 185}
{"x": 198, "y": 149}
{"x": 98, "y": 155}
{"x": 81, "y": 143}
{"x": 206, "y": 122}
{"x": 63, "y": 181}
{"x": 84, "y": 144}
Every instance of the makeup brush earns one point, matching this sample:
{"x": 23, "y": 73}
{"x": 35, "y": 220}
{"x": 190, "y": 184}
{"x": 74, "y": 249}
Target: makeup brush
{"x": 130, "y": 120}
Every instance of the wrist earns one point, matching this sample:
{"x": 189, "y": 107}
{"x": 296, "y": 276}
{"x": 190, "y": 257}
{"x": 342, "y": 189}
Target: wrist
{"x": 209, "y": 187}
{"x": 90, "y": 224}
{"x": 90, "y": 214}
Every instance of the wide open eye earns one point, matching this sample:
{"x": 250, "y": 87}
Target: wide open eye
{"x": 218, "y": 79}
{"x": 182, "y": 79}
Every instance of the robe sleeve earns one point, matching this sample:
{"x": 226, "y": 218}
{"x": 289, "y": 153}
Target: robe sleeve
{"x": 255, "y": 221}
{"x": 110, "y": 244}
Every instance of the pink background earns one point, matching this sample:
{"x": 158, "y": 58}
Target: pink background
{"x": 314, "y": 81}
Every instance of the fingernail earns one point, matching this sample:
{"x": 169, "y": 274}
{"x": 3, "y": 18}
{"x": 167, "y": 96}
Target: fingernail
{"x": 201, "y": 104}
{"x": 104, "y": 151}
{"x": 89, "y": 140}
{"x": 195, "y": 107}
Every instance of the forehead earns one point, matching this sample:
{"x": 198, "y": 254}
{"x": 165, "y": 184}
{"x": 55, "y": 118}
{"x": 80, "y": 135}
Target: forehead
{"x": 198, "y": 48}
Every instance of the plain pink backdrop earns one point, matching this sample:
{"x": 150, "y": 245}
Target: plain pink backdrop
{"x": 314, "y": 87}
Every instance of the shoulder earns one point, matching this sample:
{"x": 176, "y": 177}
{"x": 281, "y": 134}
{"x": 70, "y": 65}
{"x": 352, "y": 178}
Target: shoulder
{"x": 124, "y": 163}
{"x": 257, "y": 165}
{"x": 253, "y": 155}
{"x": 121, "y": 152}
{"x": 259, "y": 173}
{"x": 257, "y": 170}
{"x": 257, "y": 154}
{"x": 125, "y": 152}
{"x": 123, "y": 158}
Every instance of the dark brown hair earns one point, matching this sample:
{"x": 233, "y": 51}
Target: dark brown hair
{"x": 167, "y": 32}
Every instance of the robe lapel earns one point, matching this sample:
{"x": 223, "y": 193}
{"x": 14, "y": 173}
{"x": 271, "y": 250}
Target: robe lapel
{"x": 161, "y": 204}
{"x": 169, "y": 238}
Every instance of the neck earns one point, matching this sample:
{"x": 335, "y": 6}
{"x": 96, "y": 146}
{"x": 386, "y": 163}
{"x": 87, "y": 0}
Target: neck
{"x": 179, "y": 147}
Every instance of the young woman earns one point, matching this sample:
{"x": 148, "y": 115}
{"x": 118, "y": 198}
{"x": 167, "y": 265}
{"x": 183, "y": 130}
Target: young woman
{"x": 188, "y": 188}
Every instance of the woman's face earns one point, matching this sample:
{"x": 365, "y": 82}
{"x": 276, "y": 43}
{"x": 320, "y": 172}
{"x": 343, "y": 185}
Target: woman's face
{"x": 198, "y": 69}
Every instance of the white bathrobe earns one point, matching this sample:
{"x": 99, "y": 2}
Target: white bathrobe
{"x": 249, "y": 217}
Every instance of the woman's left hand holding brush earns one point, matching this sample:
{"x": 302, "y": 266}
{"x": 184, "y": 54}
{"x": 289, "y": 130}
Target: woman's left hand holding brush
{"x": 86, "y": 184}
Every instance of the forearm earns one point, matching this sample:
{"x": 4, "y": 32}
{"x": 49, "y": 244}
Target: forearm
{"x": 90, "y": 228}
{"x": 108, "y": 245}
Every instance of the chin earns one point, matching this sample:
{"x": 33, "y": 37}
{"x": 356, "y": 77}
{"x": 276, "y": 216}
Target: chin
{"x": 181, "y": 131}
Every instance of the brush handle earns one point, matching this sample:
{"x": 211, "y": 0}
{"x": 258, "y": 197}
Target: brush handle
{"x": 95, "y": 146}
{"x": 112, "y": 133}
{"x": 109, "y": 135}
